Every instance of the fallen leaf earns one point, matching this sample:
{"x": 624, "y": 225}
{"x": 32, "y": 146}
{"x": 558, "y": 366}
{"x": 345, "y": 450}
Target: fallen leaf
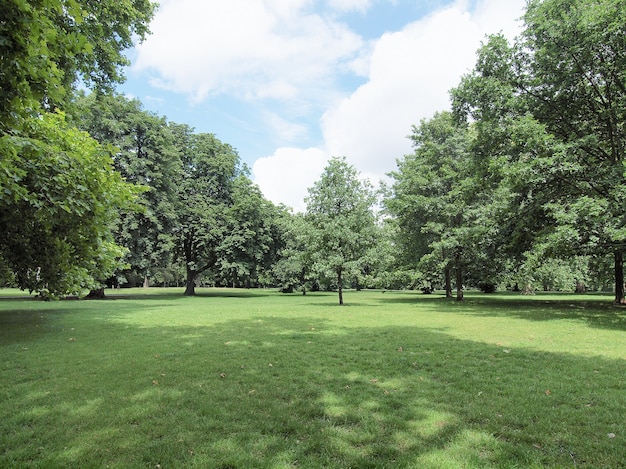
{"x": 222, "y": 375}
{"x": 611, "y": 435}
{"x": 270, "y": 365}
{"x": 400, "y": 349}
{"x": 548, "y": 392}
{"x": 72, "y": 339}
{"x": 155, "y": 382}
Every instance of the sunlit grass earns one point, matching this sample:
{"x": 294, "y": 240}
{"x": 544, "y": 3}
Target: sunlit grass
{"x": 236, "y": 378}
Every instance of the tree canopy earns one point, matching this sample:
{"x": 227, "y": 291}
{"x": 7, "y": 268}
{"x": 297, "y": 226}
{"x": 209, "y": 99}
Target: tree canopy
{"x": 58, "y": 187}
{"x": 340, "y": 220}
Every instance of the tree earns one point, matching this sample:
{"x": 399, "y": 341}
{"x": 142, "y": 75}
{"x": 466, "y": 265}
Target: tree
{"x": 57, "y": 205}
{"x": 145, "y": 154}
{"x": 45, "y": 48}
{"x": 293, "y": 266}
{"x": 440, "y": 208}
{"x": 341, "y": 220}
{"x": 550, "y": 111}
{"x": 204, "y": 200}
{"x": 573, "y": 73}
{"x": 248, "y": 248}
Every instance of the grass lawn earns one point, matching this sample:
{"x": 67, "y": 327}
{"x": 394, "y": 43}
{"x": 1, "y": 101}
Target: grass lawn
{"x": 258, "y": 379}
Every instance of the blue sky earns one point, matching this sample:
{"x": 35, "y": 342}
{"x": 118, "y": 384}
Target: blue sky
{"x": 290, "y": 83}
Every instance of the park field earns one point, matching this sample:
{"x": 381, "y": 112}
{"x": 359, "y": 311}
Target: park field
{"x": 257, "y": 379}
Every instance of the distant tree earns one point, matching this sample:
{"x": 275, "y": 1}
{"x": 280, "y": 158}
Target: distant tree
{"x": 340, "y": 220}
{"x": 248, "y": 247}
{"x": 440, "y": 208}
{"x": 293, "y": 266}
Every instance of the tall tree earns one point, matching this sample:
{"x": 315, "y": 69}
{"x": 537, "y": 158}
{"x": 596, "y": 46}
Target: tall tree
{"x": 573, "y": 72}
{"x": 558, "y": 100}
{"x": 341, "y": 220}
{"x": 145, "y": 154}
{"x": 205, "y": 197}
{"x": 45, "y": 48}
{"x": 436, "y": 202}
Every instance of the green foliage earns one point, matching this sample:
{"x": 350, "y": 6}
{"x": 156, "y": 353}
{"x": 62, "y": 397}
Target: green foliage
{"x": 444, "y": 212}
{"x": 252, "y": 240}
{"x": 59, "y": 197}
{"x": 341, "y": 222}
{"x": 58, "y": 190}
{"x": 145, "y": 154}
{"x": 47, "y": 45}
{"x": 548, "y": 113}
{"x": 203, "y": 202}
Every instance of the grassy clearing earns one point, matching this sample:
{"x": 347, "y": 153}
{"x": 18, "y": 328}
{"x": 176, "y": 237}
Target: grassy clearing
{"x": 233, "y": 379}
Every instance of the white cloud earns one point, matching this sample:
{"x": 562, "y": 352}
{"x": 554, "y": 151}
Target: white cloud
{"x": 410, "y": 74}
{"x": 350, "y": 5}
{"x": 285, "y": 176}
{"x": 251, "y": 49}
{"x": 284, "y": 129}
{"x": 287, "y": 53}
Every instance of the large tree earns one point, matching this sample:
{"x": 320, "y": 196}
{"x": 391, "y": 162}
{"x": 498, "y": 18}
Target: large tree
{"x": 573, "y": 72}
{"x": 46, "y": 47}
{"x": 341, "y": 220}
{"x": 550, "y": 112}
{"x": 205, "y": 197}
{"x": 146, "y": 154}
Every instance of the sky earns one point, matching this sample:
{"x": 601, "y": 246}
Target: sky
{"x": 292, "y": 83}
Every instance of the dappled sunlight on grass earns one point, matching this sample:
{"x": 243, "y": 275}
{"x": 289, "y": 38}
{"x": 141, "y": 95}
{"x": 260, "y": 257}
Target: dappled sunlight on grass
{"x": 274, "y": 382}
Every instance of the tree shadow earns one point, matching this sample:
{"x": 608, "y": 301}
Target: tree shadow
{"x": 595, "y": 313}
{"x": 279, "y": 392}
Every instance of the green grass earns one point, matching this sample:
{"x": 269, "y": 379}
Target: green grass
{"x": 237, "y": 379}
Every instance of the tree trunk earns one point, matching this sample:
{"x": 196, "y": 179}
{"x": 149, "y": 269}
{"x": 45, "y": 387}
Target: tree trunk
{"x": 146, "y": 281}
{"x": 459, "y": 278}
{"x": 96, "y": 294}
{"x": 448, "y": 281}
{"x": 190, "y": 289}
{"x": 619, "y": 277}
{"x": 340, "y": 286}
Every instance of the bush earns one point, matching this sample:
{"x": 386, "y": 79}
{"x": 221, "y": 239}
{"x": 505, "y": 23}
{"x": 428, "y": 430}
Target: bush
{"x": 487, "y": 287}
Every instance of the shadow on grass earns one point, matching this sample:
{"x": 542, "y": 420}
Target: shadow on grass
{"x": 286, "y": 392}
{"x": 595, "y": 313}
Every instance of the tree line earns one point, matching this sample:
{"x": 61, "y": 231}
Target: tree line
{"x": 519, "y": 185}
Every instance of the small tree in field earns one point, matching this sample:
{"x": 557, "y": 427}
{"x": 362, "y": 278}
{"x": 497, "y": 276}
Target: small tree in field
{"x": 341, "y": 221}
